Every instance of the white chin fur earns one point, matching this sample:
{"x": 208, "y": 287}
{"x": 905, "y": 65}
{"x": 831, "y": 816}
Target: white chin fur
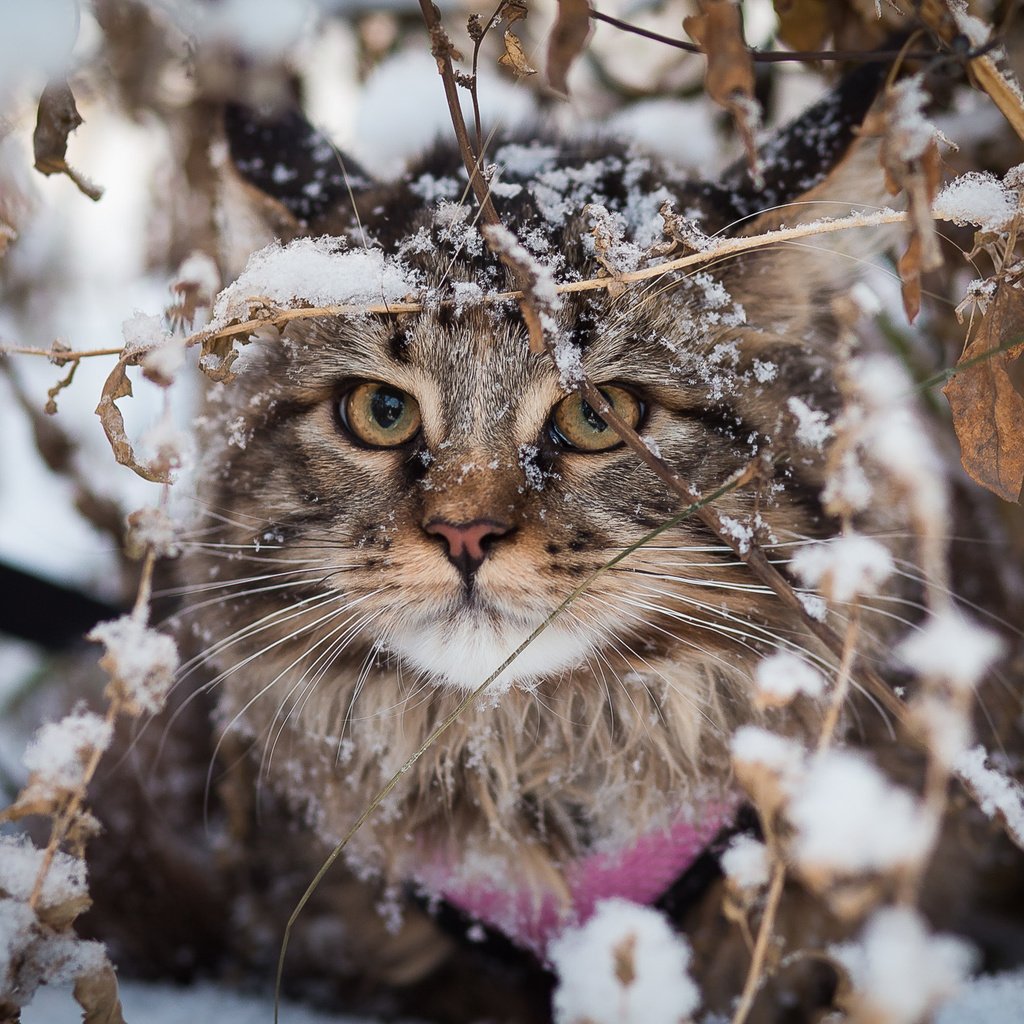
{"x": 463, "y": 652}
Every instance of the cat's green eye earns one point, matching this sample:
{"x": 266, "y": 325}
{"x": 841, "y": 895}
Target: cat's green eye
{"x": 576, "y": 425}
{"x": 380, "y": 415}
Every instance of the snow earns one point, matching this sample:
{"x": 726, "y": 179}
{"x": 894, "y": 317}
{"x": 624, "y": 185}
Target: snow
{"x": 781, "y": 676}
{"x": 909, "y": 132}
{"x": 142, "y": 660}
{"x": 624, "y": 966}
{"x": 172, "y": 1004}
{"x": 19, "y": 865}
{"x": 812, "y": 428}
{"x": 995, "y": 792}
{"x": 850, "y": 819}
{"x": 59, "y": 751}
{"x": 896, "y": 947}
{"x": 989, "y": 999}
{"x": 951, "y": 648}
{"x": 745, "y": 862}
{"x": 314, "y": 271}
{"x": 844, "y": 568}
{"x": 976, "y": 197}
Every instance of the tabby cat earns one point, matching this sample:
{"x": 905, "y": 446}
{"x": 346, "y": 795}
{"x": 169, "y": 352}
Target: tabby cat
{"x": 395, "y": 502}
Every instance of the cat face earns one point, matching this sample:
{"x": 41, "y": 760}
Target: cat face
{"x": 450, "y": 495}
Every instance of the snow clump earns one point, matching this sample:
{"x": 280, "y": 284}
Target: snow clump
{"x": 317, "y": 271}
{"x": 845, "y": 567}
{"x": 900, "y": 972}
{"x": 976, "y": 198}
{"x": 951, "y": 648}
{"x": 745, "y": 862}
{"x": 140, "y": 660}
{"x": 57, "y": 754}
{"x": 781, "y": 676}
{"x": 850, "y": 819}
{"x": 624, "y": 966}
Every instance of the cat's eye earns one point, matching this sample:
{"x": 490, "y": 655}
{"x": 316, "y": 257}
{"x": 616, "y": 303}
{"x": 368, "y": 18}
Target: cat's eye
{"x": 576, "y": 425}
{"x": 379, "y": 415}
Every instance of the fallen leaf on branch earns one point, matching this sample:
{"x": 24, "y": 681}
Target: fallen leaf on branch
{"x": 568, "y": 37}
{"x": 56, "y": 119}
{"x": 96, "y": 993}
{"x": 988, "y": 410}
{"x": 729, "y": 77}
{"x": 514, "y": 56}
{"x": 117, "y": 385}
{"x": 909, "y": 155}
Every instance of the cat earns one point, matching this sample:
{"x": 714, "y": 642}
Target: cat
{"x": 395, "y": 502}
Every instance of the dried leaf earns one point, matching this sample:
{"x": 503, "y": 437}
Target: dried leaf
{"x": 514, "y": 57}
{"x": 513, "y": 11}
{"x": 117, "y": 385}
{"x": 215, "y": 359}
{"x": 56, "y": 119}
{"x": 729, "y": 76}
{"x": 909, "y": 267}
{"x": 804, "y": 24}
{"x": 624, "y": 958}
{"x": 568, "y": 37}
{"x": 988, "y": 410}
{"x": 96, "y": 993}
{"x": 909, "y": 155}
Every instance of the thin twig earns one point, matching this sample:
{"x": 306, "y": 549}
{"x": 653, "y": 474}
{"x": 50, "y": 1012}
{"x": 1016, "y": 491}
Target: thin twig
{"x": 842, "y": 683}
{"x": 788, "y": 56}
{"x": 441, "y": 49}
{"x": 764, "y": 935}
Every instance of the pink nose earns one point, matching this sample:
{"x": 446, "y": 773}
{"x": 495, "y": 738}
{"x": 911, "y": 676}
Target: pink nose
{"x": 468, "y": 543}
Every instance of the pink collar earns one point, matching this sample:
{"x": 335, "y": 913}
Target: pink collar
{"x": 639, "y": 873}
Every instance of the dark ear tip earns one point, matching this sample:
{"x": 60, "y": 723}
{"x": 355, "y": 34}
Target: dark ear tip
{"x": 804, "y": 152}
{"x": 283, "y": 156}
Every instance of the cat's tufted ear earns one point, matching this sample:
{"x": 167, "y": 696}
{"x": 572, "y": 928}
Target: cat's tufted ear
{"x": 302, "y": 182}
{"x": 798, "y": 160}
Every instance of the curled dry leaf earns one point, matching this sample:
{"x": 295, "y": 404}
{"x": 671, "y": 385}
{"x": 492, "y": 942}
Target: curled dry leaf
{"x": 909, "y": 155}
{"x": 568, "y": 37}
{"x": 729, "y": 77}
{"x": 987, "y": 402}
{"x": 56, "y": 119}
{"x": 96, "y": 993}
{"x": 514, "y": 56}
{"x": 116, "y": 386}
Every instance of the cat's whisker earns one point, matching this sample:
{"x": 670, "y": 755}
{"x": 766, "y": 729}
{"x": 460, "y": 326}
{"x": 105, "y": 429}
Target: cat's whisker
{"x": 319, "y": 668}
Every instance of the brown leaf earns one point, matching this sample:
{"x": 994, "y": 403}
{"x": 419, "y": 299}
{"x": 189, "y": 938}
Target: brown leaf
{"x": 624, "y": 958}
{"x": 909, "y": 267}
{"x": 513, "y": 11}
{"x": 117, "y": 385}
{"x": 804, "y": 24}
{"x": 96, "y": 993}
{"x": 568, "y": 37}
{"x": 514, "y": 57}
{"x": 988, "y": 410}
{"x": 729, "y": 76}
{"x": 56, "y": 119}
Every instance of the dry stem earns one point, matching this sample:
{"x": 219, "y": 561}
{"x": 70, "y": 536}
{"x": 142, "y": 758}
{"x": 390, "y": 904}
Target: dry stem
{"x": 764, "y": 936}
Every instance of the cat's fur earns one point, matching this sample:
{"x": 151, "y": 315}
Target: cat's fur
{"x": 337, "y": 635}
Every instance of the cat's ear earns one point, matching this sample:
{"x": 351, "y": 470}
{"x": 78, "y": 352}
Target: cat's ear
{"x": 800, "y": 161}
{"x": 302, "y": 182}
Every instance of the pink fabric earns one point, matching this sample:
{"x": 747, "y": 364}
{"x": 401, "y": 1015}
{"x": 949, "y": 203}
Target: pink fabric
{"x": 640, "y": 873}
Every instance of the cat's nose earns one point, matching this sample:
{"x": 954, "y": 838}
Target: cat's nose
{"x": 468, "y": 543}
